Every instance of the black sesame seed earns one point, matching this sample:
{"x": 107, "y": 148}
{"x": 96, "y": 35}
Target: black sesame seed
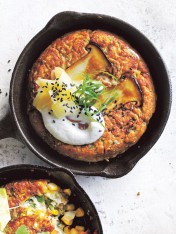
{"x": 63, "y": 119}
{"x": 8, "y": 61}
{"x": 0, "y": 91}
{"x": 49, "y": 113}
{"x": 73, "y": 124}
{"x": 6, "y": 94}
{"x": 41, "y": 91}
{"x": 100, "y": 131}
{"x": 54, "y": 121}
{"x": 9, "y": 70}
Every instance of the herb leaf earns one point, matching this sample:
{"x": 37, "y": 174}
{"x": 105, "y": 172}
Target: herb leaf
{"x": 22, "y": 230}
{"x": 88, "y": 94}
{"x": 40, "y": 198}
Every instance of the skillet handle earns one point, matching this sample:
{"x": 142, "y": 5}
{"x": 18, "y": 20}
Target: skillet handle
{"x": 7, "y": 128}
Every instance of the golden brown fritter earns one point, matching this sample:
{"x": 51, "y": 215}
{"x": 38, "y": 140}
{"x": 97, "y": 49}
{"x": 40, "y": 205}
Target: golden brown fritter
{"x": 33, "y": 223}
{"x": 20, "y": 191}
{"x": 40, "y": 206}
{"x": 126, "y": 123}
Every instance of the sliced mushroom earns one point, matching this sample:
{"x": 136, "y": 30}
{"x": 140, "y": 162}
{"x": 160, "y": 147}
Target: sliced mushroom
{"x": 93, "y": 63}
{"x": 130, "y": 91}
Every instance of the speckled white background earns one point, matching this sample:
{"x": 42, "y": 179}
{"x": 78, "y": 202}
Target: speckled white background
{"x": 120, "y": 209}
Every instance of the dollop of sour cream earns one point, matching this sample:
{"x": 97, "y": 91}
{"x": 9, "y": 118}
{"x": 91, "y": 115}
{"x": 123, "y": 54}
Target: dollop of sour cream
{"x": 74, "y": 127}
{"x": 72, "y": 130}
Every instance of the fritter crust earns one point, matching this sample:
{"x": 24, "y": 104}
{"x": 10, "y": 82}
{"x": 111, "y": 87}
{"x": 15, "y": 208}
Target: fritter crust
{"x": 20, "y": 191}
{"x": 125, "y": 124}
{"x": 34, "y": 225}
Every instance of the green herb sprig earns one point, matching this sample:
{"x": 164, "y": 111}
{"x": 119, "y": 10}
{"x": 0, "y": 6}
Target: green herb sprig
{"x": 88, "y": 94}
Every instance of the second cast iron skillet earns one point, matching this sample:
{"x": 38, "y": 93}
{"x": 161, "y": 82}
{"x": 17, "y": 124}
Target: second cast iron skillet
{"x": 66, "y": 22}
{"x": 61, "y": 177}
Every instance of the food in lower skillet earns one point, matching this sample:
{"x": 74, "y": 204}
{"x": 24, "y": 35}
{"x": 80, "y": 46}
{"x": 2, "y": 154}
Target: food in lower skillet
{"x": 91, "y": 95}
{"x": 42, "y": 207}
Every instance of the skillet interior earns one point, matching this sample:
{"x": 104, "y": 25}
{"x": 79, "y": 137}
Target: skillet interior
{"x": 63, "y": 23}
{"x": 61, "y": 177}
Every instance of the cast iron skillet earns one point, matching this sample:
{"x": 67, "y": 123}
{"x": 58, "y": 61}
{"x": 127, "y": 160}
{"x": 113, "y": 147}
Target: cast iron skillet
{"x": 66, "y": 22}
{"x": 62, "y": 177}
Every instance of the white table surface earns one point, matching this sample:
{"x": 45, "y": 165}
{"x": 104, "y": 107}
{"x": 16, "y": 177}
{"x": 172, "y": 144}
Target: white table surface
{"x": 120, "y": 209}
